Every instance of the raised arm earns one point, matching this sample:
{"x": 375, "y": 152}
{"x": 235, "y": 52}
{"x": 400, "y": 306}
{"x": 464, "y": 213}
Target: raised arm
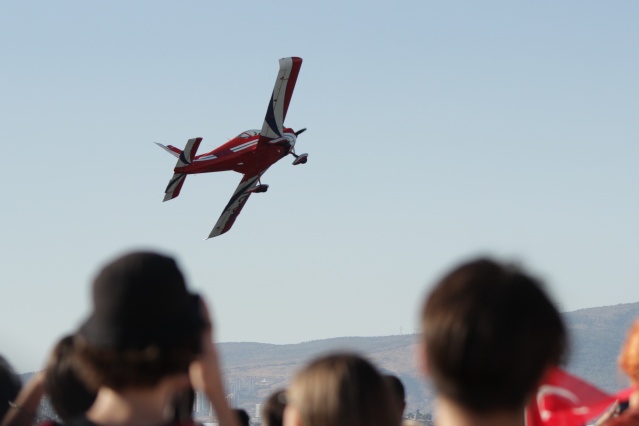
{"x": 206, "y": 376}
{"x": 23, "y": 410}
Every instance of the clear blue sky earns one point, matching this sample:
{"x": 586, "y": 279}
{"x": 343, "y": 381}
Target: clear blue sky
{"x": 437, "y": 131}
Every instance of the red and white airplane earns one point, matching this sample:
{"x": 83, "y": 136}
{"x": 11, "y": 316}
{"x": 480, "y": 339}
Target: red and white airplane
{"x": 251, "y": 152}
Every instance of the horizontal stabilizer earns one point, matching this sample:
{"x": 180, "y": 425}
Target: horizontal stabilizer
{"x": 184, "y": 159}
{"x": 174, "y": 186}
{"x": 170, "y": 149}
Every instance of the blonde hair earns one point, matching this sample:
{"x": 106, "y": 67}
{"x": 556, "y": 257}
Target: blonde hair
{"x": 629, "y": 356}
{"x": 342, "y": 390}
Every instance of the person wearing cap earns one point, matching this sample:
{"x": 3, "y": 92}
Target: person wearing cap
{"x": 146, "y": 341}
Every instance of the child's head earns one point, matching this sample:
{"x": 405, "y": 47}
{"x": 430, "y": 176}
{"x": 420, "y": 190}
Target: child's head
{"x": 489, "y": 334}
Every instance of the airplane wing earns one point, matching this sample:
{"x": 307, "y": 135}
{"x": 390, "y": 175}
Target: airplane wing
{"x": 282, "y": 92}
{"x": 235, "y": 204}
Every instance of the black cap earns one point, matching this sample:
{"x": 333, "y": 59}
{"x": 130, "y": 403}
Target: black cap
{"x": 141, "y": 300}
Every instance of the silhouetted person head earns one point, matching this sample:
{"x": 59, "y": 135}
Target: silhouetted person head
{"x": 398, "y": 392}
{"x": 68, "y": 394}
{"x": 184, "y": 406}
{"x": 242, "y": 416}
{"x": 489, "y": 333}
{"x": 10, "y": 385}
{"x": 340, "y": 390}
{"x": 144, "y": 326}
{"x": 273, "y": 409}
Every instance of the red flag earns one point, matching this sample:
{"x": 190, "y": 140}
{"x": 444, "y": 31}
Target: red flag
{"x": 566, "y": 400}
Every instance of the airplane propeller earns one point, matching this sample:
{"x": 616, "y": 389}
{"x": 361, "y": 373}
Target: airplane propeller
{"x": 302, "y": 158}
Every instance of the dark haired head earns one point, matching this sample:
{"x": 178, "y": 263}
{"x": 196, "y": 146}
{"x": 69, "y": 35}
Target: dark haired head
{"x": 396, "y": 386}
{"x": 69, "y": 396}
{"x": 490, "y": 333}
{"x": 118, "y": 369}
{"x": 140, "y": 300}
{"x": 184, "y": 405}
{"x": 398, "y": 391}
{"x": 242, "y": 417}
{"x": 10, "y": 385}
{"x": 144, "y": 326}
{"x": 273, "y": 408}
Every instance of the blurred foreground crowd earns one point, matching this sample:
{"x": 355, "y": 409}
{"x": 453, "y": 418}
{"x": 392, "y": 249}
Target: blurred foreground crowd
{"x": 490, "y": 335}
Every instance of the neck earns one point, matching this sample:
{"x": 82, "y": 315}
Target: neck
{"x": 449, "y": 413}
{"x": 133, "y": 406}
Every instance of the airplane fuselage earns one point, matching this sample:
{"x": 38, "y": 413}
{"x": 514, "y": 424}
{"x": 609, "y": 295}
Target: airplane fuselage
{"x": 242, "y": 154}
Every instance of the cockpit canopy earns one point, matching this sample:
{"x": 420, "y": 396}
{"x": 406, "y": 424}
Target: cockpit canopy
{"x": 249, "y": 133}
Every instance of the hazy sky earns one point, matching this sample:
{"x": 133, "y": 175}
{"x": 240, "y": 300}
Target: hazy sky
{"x": 436, "y": 131}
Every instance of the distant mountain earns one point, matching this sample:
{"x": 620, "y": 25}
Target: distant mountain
{"x": 272, "y": 366}
{"x": 254, "y": 370}
{"x": 596, "y": 336}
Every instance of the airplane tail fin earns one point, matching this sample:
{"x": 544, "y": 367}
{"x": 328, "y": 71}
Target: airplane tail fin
{"x": 184, "y": 159}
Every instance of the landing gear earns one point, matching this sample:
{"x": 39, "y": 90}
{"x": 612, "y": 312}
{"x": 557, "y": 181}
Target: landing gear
{"x": 260, "y": 188}
{"x": 299, "y": 159}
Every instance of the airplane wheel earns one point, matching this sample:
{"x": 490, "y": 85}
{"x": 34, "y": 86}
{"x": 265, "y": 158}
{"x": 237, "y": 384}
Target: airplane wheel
{"x": 302, "y": 159}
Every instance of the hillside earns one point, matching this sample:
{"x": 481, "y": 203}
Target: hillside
{"x": 596, "y": 335}
{"x": 596, "y": 338}
{"x": 254, "y": 370}
{"x": 273, "y": 365}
